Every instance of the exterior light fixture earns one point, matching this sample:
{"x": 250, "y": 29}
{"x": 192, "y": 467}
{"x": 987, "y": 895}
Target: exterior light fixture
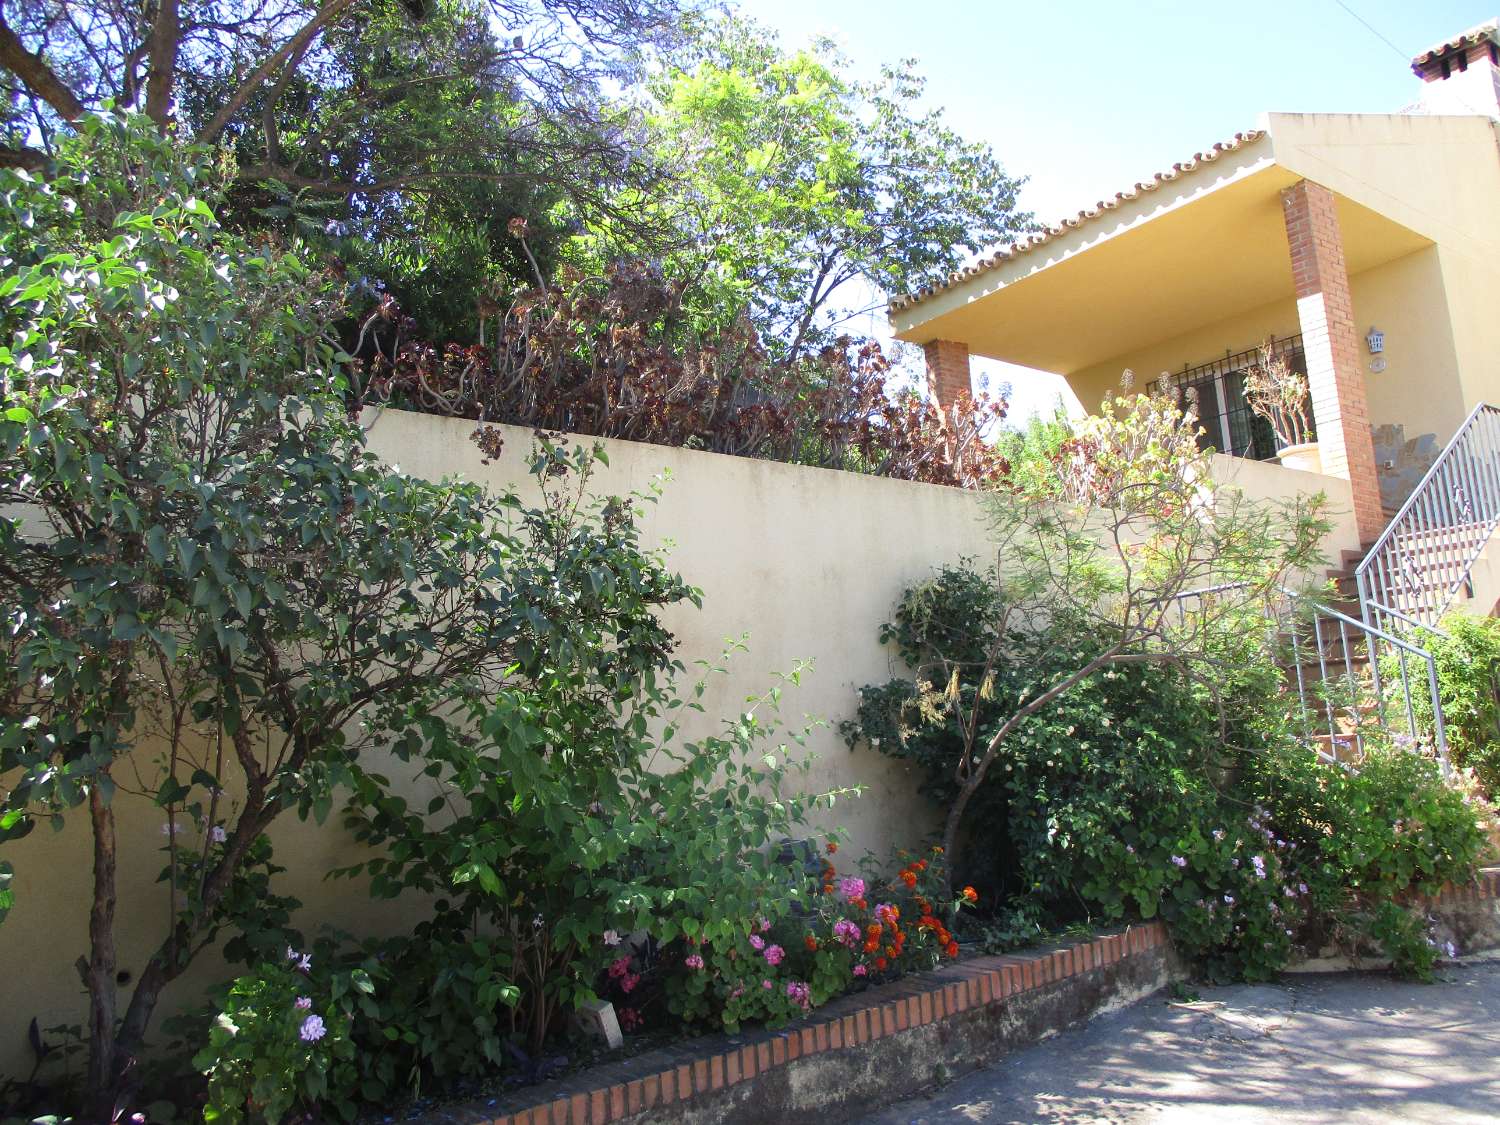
{"x": 1375, "y": 340}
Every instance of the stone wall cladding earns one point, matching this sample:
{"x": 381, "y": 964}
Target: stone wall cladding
{"x": 859, "y": 1051}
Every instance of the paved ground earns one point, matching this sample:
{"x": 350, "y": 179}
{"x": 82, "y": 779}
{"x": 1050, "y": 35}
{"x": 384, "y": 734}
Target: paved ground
{"x": 1335, "y": 1048}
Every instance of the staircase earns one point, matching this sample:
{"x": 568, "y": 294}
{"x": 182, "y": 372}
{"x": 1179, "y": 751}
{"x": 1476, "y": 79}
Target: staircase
{"x": 1425, "y": 558}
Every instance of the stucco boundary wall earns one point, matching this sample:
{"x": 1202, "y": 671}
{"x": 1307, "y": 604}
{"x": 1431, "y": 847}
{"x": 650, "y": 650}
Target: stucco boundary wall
{"x": 858, "y": 1052}
{"x": 806, "y": 564}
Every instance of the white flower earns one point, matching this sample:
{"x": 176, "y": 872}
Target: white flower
{"x": 217, "y": 834}
{"x": 611, "y": 937}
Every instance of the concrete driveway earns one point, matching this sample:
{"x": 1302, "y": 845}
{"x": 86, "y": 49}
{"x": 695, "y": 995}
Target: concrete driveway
{"x": 1351, "y": 1047}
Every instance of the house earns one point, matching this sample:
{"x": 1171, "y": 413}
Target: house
{"x": 1367, "y": 245}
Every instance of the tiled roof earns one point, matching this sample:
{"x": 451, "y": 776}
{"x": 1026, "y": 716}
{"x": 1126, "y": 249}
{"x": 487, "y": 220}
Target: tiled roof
{"x": 993, "y": 260}
{"x": 1490, "y": 30}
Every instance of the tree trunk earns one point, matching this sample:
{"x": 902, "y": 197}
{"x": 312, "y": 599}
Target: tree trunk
{"x": 101, "y": 966}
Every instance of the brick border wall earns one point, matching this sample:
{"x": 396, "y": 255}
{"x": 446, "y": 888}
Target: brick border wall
{"x": 690, "y": 1082}
{"x": 873, "y": 1047}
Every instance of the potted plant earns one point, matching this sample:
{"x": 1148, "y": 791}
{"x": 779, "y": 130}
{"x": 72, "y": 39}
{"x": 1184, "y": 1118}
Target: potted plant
{"x": 1278, "y": 393}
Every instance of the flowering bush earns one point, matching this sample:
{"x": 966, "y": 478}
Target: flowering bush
{"x": 856, "y": 930}
{"x": 281, "y": 1042}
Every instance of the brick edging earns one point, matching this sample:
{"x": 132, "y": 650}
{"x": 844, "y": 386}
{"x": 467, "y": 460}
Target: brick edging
{"x": 1484, "y": 887}
{"x": 886, "y": 1010}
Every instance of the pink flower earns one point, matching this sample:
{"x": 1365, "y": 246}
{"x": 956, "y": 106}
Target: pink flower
{"x": 312, "y": 1029}
{"x": 765, "y": 924}
{"x": 797, "y": 992}
{"x": 852, "y": 887}
{"x": 304, "y": 1003}
{"x": 693, "y": 961}
{"x": 767, "y": 985}
{"x": 611, "y": 937}
{"x": 860, "y": 970}
{"x": 629, "y": 981}
{"x": 757, "y": 942}
{"x": 886, "y": 913}
{"x": 774, "y": 954}
{"x": 847, "y": 933}
{"x": 619, "y": 967}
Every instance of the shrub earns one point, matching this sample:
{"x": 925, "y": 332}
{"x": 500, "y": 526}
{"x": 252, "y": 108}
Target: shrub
{"x": 281, "y": 1042}
{"x": 1143, "y": 793}
{"x": 1467, "y": 653}
{"x": 606, "y": 355}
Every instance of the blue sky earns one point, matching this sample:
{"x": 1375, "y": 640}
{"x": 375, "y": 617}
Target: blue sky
{"x": 1084, "y": 98}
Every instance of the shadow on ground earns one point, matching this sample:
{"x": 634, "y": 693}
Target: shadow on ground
{"x": 1352, "y": 1047}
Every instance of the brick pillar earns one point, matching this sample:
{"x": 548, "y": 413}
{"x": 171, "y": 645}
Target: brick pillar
{"x": 1336, "y": 380}
{"x": 947, "y": 370}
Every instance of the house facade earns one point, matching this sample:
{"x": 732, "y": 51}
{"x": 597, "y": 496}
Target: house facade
{"x": 1366, "y": 245}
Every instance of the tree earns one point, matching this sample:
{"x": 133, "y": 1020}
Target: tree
{"x": 403, "y": 133}
{"x": 796, "y": 180}
{"x": 1110, "y": 545}
{"x": 198, "y": 554}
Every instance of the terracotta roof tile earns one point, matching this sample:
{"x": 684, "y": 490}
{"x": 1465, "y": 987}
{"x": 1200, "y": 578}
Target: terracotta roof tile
{"x": 1489, "y": 30}
{"x": 998, "y": 257}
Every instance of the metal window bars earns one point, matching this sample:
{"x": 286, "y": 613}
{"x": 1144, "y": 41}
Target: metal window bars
{"x": 1218, "y": 387}
{"x": 1427, "y": 552}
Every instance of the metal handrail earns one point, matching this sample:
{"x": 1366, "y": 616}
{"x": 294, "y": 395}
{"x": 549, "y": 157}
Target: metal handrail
{"x": 1372, "y": 636}
{"x": 1427, "y": 552}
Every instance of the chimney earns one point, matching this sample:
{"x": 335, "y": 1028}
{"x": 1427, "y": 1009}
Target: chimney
{"x": 1462, "y": 76}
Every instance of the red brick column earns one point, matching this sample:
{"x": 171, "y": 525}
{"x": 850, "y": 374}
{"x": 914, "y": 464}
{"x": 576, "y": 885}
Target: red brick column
{"x": 947, "y": 370}
{"x": 1335, "y": 376}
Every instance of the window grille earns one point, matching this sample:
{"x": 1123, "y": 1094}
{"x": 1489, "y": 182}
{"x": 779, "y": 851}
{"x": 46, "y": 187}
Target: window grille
{"x": 1229, "y": 425}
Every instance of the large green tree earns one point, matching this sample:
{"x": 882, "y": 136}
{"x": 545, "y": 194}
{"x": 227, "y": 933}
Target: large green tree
{"x": 794, "y": 179}
{"x": 212, "y": 597}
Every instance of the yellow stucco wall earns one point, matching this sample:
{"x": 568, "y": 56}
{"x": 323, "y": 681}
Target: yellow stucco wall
{"x": 1440, "y": 177}
{"x": 808, "y": 561}
{"x": 1419, "y": 388}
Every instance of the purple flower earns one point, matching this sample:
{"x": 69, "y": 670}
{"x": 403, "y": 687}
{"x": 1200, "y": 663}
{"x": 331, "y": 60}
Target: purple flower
{"x": 847, "y": 932}
{"x": 851, "y": 887}
{"x": 312, "y": 1029}
{"x": 304, "y": 1003}
{"x": 1301, "y": 888}
{"x": 767, "y": 985}
{"x": 774, "y": 954}
{"x": 860, "y": 970}
{"x": 611, "y": 937}
{"x": 1260, "y": 866}
{"x": 693, "y": 961}
{"x": 1228, "y": 900}
{"x": 217, "y": 834}
{"x": 304, "y": 963}
{"x": 757, "y": 942}
{"x": 1178, "y": 861}
{"x": 797, "y": 991}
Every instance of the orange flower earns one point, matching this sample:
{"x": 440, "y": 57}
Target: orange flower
{"x": 874, "y": 929}
{"x": 971, "y": 895}
{"x": 937, "y": 850}
{"x": 880, "y": 964}
{"x": 828, "y": 888}
{"x": 811, "y": 942}
{"x": 909, "y": 878}
{"x": 921, "y": 865}
{"x": 872, "y": 945}
{"x": 953, "y": 949}
{"x": 832, "y": 847}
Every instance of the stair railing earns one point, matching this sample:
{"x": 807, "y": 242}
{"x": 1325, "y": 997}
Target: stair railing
{"x": 1426, "y": 554}
{"x": 1326, "y": 650}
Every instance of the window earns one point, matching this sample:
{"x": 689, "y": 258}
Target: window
{"x": 1217, "y": 390}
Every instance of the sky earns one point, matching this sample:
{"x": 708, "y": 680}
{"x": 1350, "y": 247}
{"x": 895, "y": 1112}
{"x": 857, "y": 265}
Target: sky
{"x": 1086, "y": 97}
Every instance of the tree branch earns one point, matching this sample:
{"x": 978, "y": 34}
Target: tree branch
{"x": 161, "y": 72}
{"x": 297, "y": 43}
{"x": 40, "y": 78}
